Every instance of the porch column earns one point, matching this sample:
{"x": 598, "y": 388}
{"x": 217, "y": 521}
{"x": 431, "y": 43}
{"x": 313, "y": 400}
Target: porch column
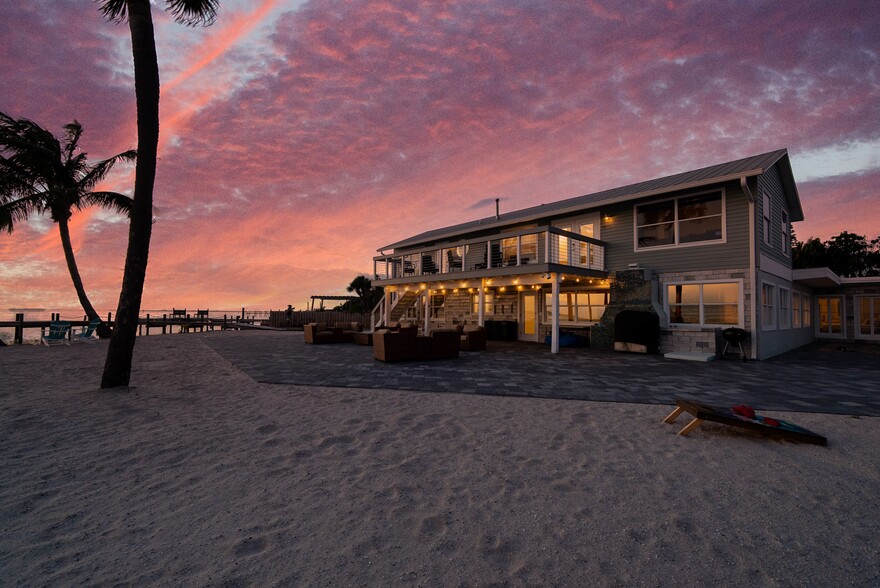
{"x": 387, "y": 307}
{"x": 427, "y": 330}
{"x": 554, "y": 324}
{"x": 481, "y": 298}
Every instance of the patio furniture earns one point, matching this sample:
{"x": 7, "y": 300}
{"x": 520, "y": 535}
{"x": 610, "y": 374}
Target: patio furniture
{"x": 736, "y": 336}
{"x": 428, "y": 265}
{"x": 454, "y": 259}
{"x": 389, "y": 346}
{"x": 445, "y": 343}
{"x": 88, "y": 333}
{"x": 316, "y": 333}
{"x": 362, "y": 338}
{"x": 740, "y": 417}
{"x": 347, "y": 330}
{"x": 58, "y": 332}
{"x": 473, "y": 338}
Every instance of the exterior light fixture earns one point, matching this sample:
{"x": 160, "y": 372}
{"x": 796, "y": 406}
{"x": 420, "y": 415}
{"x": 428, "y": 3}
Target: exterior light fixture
{"x": 608, "y": 219}
{"x": 501, "y": 288}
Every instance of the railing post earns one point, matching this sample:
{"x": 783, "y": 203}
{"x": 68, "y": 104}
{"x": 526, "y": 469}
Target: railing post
{"x": 18, "y": 336}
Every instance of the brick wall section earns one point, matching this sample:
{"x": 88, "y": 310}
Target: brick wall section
{"x": 458, "y": 308}
{"x": 706, "y": 340}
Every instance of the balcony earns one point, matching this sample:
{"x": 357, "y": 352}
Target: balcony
{"x": 533, "y": 250}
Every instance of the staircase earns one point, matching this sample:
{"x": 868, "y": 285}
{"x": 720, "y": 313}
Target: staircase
{"x": 399, "y": 308}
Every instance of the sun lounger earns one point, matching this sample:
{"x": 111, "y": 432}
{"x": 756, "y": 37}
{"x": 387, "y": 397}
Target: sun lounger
{"x": 740, "y": 418}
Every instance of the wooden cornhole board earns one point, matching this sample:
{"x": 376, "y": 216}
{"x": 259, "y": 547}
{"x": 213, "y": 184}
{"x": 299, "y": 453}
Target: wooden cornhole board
{"x": 725, "y": 416}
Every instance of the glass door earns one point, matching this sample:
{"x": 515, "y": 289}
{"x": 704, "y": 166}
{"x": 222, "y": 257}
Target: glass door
{"x": 528, "y": 320}
{"x": 830, "y": 323}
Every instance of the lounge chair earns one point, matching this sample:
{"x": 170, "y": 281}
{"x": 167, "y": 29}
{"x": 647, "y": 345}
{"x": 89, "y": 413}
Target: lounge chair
{"x": 742, "y": 417}
{"x": 473, "y": 338}
{"x": 88, "y": 333}
{"x": 58, "y": 332}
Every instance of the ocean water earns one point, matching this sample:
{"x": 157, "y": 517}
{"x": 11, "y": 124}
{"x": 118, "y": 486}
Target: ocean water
{"x": 32, "y": 336}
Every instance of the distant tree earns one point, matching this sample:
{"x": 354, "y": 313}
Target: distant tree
{"x": 117, "y": 367}
{"x": 847, "y": 254}
{"x": 368, "y": 297}
{"x": 40, "y": 174}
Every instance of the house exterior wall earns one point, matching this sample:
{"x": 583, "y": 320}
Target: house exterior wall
{"x": 850, "y": 294}
{"x": 771, "y": 183}
{"x": 781, "y": 335}
{"x": 734, "y": 253}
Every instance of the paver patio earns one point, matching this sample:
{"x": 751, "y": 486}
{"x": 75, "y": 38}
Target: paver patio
{"x": 809, "y": 379}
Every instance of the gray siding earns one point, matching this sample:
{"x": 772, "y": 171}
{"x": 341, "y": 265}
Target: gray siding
{"x": 618, "y": 234}
{"x": 770, "y": 182}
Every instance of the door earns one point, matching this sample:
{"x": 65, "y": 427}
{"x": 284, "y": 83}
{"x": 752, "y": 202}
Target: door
{"x": 528, "y": 316}
{"x": 830, "y": 323}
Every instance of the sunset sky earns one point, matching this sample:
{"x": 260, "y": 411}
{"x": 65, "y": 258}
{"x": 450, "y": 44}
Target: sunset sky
{"x": 298, "y": 137}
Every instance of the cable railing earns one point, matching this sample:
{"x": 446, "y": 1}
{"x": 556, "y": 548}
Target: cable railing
{"x": 547, "y": 245}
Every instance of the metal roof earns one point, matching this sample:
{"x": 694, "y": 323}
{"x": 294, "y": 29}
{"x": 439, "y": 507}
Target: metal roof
{"x": 732, "y": 170}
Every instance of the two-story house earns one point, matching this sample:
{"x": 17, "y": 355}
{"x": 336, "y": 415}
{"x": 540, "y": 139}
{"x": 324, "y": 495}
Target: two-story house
{"x": 705, "y": 250}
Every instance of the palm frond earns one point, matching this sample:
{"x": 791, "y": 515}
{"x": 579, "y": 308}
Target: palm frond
{"x": 114, "y": 10}
{"x": 74, "y": 132}
{"x": 14, "y": 211}
{"x": 109, "y": 200}
{"x": 100, "y": 170}
{"x": 194, "y": 12}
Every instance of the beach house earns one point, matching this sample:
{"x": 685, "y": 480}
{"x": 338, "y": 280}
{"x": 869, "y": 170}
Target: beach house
{"x": 704, "y": 250}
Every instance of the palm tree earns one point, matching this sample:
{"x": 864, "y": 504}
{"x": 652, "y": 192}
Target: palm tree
{"x": 117, "y": 367}
{"x": 40, "y": 174}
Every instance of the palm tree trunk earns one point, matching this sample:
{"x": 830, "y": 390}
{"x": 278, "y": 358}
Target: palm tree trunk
{"x": 117, "y": 368}
{"x": 64, "y": 229}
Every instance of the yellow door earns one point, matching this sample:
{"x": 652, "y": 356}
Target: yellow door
{"x": 528, "y": 330}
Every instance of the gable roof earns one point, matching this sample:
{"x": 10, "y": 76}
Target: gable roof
{"x": 732, "y": 170}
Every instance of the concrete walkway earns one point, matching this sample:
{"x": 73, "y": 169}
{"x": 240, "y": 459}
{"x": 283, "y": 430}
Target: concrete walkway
{"x": 810, "y": 379}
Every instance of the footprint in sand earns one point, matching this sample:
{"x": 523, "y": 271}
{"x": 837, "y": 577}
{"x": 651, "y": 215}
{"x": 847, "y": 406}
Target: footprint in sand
{"x": 432, "y": 527}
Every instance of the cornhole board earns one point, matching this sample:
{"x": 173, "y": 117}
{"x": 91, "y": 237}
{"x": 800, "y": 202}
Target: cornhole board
{"x": 726, "y": 416}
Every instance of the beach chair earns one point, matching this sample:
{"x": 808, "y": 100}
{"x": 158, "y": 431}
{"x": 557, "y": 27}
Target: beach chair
{"x": 88, "y": 333}
{"x": 58, "y": 332}
{"x": 743, "y": 417}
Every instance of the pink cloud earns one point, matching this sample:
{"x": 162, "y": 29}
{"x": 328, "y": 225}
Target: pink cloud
{"x": 288, "y": 157}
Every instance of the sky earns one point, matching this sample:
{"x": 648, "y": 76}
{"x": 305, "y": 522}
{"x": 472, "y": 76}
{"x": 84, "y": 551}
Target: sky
{"x": 298, "y": 137}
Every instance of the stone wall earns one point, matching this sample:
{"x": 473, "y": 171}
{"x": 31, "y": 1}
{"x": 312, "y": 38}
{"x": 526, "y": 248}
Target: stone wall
{"x": 630, "y": 290}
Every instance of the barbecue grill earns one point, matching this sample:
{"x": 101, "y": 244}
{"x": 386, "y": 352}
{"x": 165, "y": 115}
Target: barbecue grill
{"x": 735, "y": 336}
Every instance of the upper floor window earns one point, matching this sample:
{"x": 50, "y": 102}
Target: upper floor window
{"x": 684, "y": 220}
{"x": 766, "y": 213}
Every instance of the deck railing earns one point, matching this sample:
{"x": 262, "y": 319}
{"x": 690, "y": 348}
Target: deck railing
{"x": 512, "y": 249}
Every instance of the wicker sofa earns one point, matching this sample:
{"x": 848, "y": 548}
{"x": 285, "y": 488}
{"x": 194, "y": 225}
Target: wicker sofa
{"x": 406, "y": 345}
{"x": 473, "y": 338}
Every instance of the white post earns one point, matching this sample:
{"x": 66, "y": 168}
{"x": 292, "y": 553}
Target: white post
{"x": 554, "y": 328}
{"x": 481, "y": 300}
{"x": 427, "y": 330}
{"x": 518, "y": 251}
{"x": 387, "y": 307}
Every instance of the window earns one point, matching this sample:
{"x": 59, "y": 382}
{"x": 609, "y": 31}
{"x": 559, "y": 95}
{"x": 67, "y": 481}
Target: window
{"x": 830, "y": 315}
{"x": 786, "y": 238}
{"x": 684, "y": 220}
{"x": 784, "y": 308}
{"x": 766, "y": 213}
{"x": 796, "y": 309}
{"x": 488, "y": 303}
{"x": 805, "y": 303}
{"x": 438, "y": 301}
{"x": 703, "y": 304}
{"x": 869, "y": 315}
{"x": 577, "y": 306}
{"x": 768, "y": 317}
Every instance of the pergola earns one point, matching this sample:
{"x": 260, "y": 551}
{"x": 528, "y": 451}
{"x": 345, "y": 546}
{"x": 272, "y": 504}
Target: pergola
{"x": 322, "y": 298}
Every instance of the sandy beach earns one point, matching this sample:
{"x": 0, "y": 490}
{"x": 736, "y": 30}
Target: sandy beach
{"x": 197, "y": 475}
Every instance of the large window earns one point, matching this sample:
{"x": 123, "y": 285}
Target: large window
{"x": 438, "y": 306}
{"x": 577, "y": 306}
{"x": 766, "y": 213}
{"x": 786, "y": 236}
{"x": 685, "y": 220}
{"x": 795, "y": 309}
{"x": 869, "y": 315}
{"x": 768, "y": 308}
{"x": 784, "y": 308}
{"x": 488, "y": 303}
{"x": 807, "y": 308}
{"x": 707, "y": 304}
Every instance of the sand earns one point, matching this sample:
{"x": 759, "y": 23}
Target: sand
{"x": 197, "y": 475}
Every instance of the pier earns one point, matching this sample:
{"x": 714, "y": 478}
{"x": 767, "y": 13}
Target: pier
{"x": 176, "y": 321}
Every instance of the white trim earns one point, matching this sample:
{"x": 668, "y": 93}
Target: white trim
{"x": 740, "y": 310}
{"x": 675, "y": 222}
{"x": 775, "y": 268}
{"x": 753, "y": 267}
